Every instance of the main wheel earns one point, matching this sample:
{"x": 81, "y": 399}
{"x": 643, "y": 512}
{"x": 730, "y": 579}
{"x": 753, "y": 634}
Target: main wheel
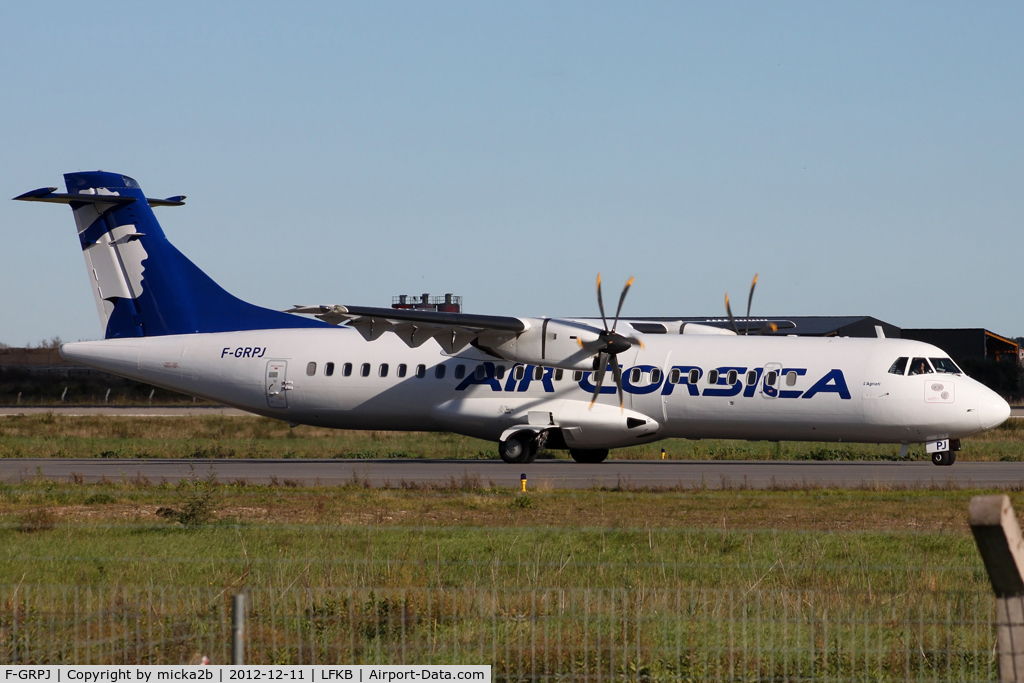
{"x": 593, "y": 455}
{"x": 518, "y": 449}
{"x": 943, "y": 458}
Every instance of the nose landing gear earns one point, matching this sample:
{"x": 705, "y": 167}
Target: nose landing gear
{"x": 943, "y": 458}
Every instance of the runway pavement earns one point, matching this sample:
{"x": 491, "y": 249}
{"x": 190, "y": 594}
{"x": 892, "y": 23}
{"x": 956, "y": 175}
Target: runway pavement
{"x": 169, "y": 411}
{"x": 541, "y": 474}
{"x": 124, "y": 411}
{"x": 551, "y": 474}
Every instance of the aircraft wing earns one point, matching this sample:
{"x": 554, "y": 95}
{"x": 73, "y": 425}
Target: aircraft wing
{"x": 453, "y": 331}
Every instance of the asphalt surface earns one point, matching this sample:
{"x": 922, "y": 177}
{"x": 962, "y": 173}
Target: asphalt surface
{"x": 124, "y": 411}
{"x": 545, "y": 474}
{"x": 542, "y": 474}
{"x": 168, "y": 411}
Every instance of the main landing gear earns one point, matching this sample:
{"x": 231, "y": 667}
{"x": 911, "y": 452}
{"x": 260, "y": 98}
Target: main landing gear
{"x": 593, "y": 455}
{"x": 522, "y": 447}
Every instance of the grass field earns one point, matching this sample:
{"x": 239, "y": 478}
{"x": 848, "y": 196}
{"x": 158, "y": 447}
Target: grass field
{"x": 556, "y": 585}
{"x": 463, "y": 532}
{"x": 56, "y": 436}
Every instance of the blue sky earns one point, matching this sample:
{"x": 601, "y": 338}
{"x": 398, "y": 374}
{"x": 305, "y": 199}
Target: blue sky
{"x": 864, "y": 158}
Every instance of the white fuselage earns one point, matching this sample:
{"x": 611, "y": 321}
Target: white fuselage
{"x": 828, "y": 389}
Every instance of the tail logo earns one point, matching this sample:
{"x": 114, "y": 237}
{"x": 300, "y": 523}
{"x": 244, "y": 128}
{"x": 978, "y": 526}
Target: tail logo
{"x": 115, "y": 265}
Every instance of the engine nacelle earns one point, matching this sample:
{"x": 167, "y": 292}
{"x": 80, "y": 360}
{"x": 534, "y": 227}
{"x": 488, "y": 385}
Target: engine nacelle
{"x": 546, "y": 341}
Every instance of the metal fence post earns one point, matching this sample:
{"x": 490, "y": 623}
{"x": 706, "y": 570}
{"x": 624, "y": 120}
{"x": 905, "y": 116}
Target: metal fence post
{"x": 238, "y": 630}
{"x": 998, "y": 536}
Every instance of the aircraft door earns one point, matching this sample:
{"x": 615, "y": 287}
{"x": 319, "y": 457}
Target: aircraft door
{"x": 277, "y": 384}
{"x": 771, "y": 378}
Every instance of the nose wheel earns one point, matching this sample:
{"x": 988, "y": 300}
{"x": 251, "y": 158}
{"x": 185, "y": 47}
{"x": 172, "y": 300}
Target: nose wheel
{"x": 943, "y": 458}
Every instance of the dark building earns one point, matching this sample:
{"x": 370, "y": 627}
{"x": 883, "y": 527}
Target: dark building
{"x": 449, "y": 303}
{"x": 968, "y": 344}
{"x": 801, "y": 325}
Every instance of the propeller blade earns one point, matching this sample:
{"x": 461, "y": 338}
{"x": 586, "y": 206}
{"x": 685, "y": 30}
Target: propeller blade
{"x": 617, "y": 373}
{"x": 622, "y": 298}
{"x": 602, "y": 364}
{"x": 750, "y": 300}
{"x": 600, "y": 303}
{"x": 728, "y": 309}
{"x": 770, "y": 326}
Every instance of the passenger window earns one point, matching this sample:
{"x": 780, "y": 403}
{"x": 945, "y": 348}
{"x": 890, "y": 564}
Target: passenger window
{"x": 364, "y": 370}
{"x": 695, "y": 376}
{"x": 347, "y": 369}
{"x": 329, "y": 369}
{"x": 538, "y": 373}
{"x": 945, "y": 365}
{"x": 421, "y": 371}
{"x": 439, "y": 371}
{"x": 460, "y": 371}
{"x": 712, "y": 376}
{"x": 771, "y": 378}
{"x": 480, "y": 372}
{"x": 519, "y": 372}
{"x": 499, "y": 372}
{"x": 383, "y": 372}
{"x": 751, "y": 378}
{"x": 311, "y": 369}
{"x": 791, "y": 378}
{"x": 919, "y": 366}
{"x": 673, "y": 376}
{"x": 559, "y": 374}
{"x": 655, "y": 375}
{"x": 899, "y": 366}
{"x": 402, "y": 368}
{"x": 730, "y": 379}
{"x": 634, "y": 376}
{"x": 577, "y": 376}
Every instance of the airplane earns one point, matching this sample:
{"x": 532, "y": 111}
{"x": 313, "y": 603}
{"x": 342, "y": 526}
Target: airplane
{"x": 525, "y": 383}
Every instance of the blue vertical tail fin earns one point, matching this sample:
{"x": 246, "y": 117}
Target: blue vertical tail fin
{"x": 142, "y": 284}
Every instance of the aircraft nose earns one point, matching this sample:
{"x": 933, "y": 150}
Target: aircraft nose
{"x": 992, "y": 410}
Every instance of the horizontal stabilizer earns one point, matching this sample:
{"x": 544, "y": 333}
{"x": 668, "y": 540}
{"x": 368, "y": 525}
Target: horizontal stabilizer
{"x": 177, "y": 200}
{"x": 49, "y": 195}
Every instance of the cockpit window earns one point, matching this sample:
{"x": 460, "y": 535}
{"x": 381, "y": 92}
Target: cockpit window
{"x": 899, "y": 367}
{"x": 946, "y": 365}
{"x": 919, "y": 366}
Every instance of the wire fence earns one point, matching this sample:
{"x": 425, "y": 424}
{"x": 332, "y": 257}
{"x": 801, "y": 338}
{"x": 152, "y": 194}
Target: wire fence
{"x": 577, "y": 634}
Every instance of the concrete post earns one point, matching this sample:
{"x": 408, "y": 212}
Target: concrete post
{"x": 238, "y": 630}
{"x": 999, "y": 540}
